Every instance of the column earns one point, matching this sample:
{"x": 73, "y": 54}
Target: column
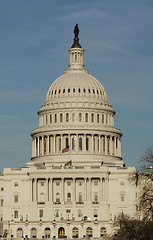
{"x": 92, "y": 143}
{"x": 38, "y": 147}
{"x": 74, "y": 190}
{"x": 119, "y": 146}
{"x": 47, "y": 147}
{"x": 77, "y": 137}
{"x": 99, "y": 145}
{"x": 42, "y": 145}
{"x": 54, "y": 144}
{"x": 84, "y": 143}
{"x": 85, "y": 189}
{"x": 51, "y": 189}
{"x": 106, "y": 144}
{"x": 61, "y": 143}
{"x": 89, "y": 193}
{"x": 35, "y": 147}
{"x": 36, "y": 190}
{"x": 32, "y": 182}
{"x": 110, "y": 145}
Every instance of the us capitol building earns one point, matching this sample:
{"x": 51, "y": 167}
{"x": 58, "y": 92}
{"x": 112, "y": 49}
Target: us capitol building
{"x": 76, "y": 182}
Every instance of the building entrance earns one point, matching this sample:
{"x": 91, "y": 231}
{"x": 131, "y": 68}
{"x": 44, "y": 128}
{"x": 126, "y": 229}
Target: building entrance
{"x": 61, "y": 232}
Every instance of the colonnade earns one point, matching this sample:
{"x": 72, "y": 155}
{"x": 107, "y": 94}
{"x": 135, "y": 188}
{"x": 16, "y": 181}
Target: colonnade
{"x": 77, "y": 144}
{"x": 87, "y": 190}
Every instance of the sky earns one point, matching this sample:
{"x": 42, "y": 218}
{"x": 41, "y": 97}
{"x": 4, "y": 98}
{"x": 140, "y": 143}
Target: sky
{"x": 35, "y": 36}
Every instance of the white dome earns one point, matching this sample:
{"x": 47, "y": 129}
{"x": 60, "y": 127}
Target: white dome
{"x": 76, "y": 83}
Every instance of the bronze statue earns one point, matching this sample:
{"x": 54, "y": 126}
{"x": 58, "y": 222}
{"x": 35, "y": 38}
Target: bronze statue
{"x": 76, "y": 30}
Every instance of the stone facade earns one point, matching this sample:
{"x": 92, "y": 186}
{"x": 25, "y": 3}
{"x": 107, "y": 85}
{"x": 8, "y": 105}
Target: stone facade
{"x": 76, "y": 182}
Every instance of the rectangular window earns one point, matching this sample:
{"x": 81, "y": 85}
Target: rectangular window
{"x": 69, "y": 183}
{"x": 122, "y": 183}
{"x": 59, "y": 144}
{"x": 97, "y": 118}
{"x": 42, "y": 184}
{"x": 57, "y": 183}
{"x": 102, "y": 118}
{"x": 41, "y": 213}
{"x": 80, "y": 117}
{"x": 66, "y": 142}
{"x": 16, "y": 184}
{"x": 73, "y": 143}
{"x": 16, "y": 214}
{"x": 79, "y": 212}
{"x": 95, "y": 183}
{"x": 122, "y": 198}
{"x": 80, "y": 144}
{"x": 87, "y": 144}
{"x": 2, "y": 189}
{"x": 68, "y": 210}
{"x": 16, "y": 198}
{"x": 56, "y": 212}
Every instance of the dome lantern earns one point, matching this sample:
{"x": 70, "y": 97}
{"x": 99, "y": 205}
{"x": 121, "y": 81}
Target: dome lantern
{"x": 76, "y": 53}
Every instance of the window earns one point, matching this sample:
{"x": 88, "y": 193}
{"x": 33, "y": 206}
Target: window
{"x": 97, "y": 118}
{"x": 56, "y": 212}
{"x": 79, "y": 212}
{"x": 68, "y": 90}
{"x": 95, "y": 213}
{"x": 79, "y": 90}
{"x": 80, "y": 183}
{"x": 2, "y": 189}
{"x": 68, "y": 197}
{"x": 122, "y": 183}
{"x": 102, "y": 231}
{"x": 45, "y": 144}
{"x": 75, "y": 232}
{"x": 42, "y": 184}
{"x": 80, "y": 143}
{"x": 46, "y": 120}
{"x": 47, "y": 232}
{"x": 87, "y": 144}
{"x": 57, "y": 183}
{"x": 2, "y": 201}
{"x": 15, "y": 214}
{"x": 74, "y": 90}
{"x": 92, "y": 117}
{"x": 16, "y": 184}
{"x": 55, "y": 118}
{"x": 89, "y": 90}
{"x": 84, "y": 90}
{"x": 66, "y": 142}
{"x": 41, "y": 213}
{"x": 80, "y": 197}
{"x": 19, "y": 233}
{"x": 102, "y": 118}
{"x": 106, "y": 118}
{"x": 50, "y": 118}
{"x": 55, "y": 91}
{"x": 122, "y": 197}
{"x": 57, "y": 197}
{"x": 63, "y": 90}
{"x": 61, "y": 117}
{"x": 68, "y": 183}
{"x": 16, "y": 198}
{"x": 86, "y": 117}
{"x": 73, "y": 116}
{"x": 95, "y": 197}
{"x": 95, "y": 183}
{"x": 59, "y": 144}
{"x": 73, "y": 143}
{"x": 80, "y": 117}
{"x": 67, "y": 117}
{"x": 68, "y": 210}
{"x": 89, "y": 232}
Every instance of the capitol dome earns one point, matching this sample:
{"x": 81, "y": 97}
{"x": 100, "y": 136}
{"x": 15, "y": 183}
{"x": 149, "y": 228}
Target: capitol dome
{"x": 76, "y": 116}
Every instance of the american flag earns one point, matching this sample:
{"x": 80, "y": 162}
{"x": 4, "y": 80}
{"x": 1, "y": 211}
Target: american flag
{"x": 66, "y": 149}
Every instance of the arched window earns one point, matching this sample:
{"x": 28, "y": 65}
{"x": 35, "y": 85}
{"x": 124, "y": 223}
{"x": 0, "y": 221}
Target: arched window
{"x": 92, "y": 117}
{"x": 46, "y": 120}
{"x": 80, "y": 117}
{"x": 61, "y": 232}
{"x": 61, "y": 117}
{"x": 68, "y": 197}
{"x": 106, "y": 118}
{"x": 33, "y": 233}
{"x": 67, "y": 117}
{"x": 47, "y": 232}
{"x": 102, "y": 231}
{"x": 89, "y": 232}
{"x": 86, "y": 117}
{"x": 75, "y": 232}
{"x": 19, "y": 233}
{"x": 57, "y": 197}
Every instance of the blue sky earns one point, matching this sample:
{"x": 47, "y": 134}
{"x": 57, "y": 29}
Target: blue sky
{"x": 35, "y": 36}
